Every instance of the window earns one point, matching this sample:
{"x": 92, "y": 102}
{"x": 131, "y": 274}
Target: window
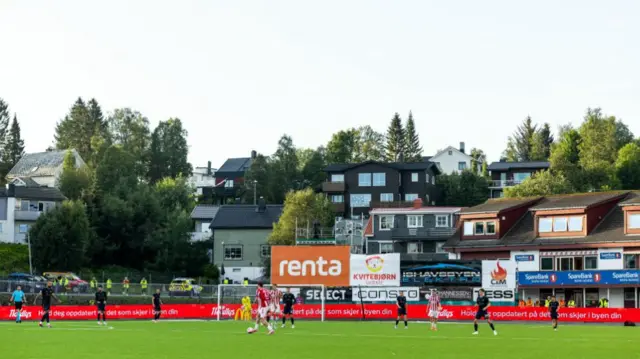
{"x": 442, "y": 221}
{"x": 337, "y": 178}
{"x": 426, "y": 176}
{"x": 386, "y": 247}
{"x": 634, "y": 221}
{"x": 479, "y": 228}
{"x": 337, "y": 198}
{"x": 546, "y": 263}
{"x": 1, "y": 228}
{"x": 386, "y": 197}
{"x": 560, "y": 224}
{"x": 462, "y": 166}
{"x": 40, "y": 206}
{"x": 575, "y": 224}
{"x": 414, "y": 247}
{"x": 630, "y": 261}
{"x": 491, "y": 227}
{"x": 204, "y": 227}
{"x": 23, "y": 228}
{"x": 415, "y": 221}
{"x": 24, "y": 205}
{"x": 544, "y": 225}
{"x": 414, "y": 177}
{"x": 450, "y": 153}
{"x": 433, "y": 180}
{"x": 232, "y": 253}
{"x": 386, "y": 223}
{"x": 364, "y": 179}
{"x": 468, "y": 228}
{"x": 439, "y": 247}
{"x": 265, "y": 251}
{"x": 228, "y": 183}
{"x": 379, "y": 180}
{"x": 590, "y": 262}
{"x": 360, "y": 200}
{"x": 410, "y": 197}
{"x": 519, "y": 177}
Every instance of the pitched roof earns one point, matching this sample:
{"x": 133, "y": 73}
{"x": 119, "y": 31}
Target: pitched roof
{"x": 451, "y": 148}
{"x": 204, "y": 211}
{"x": 35, "y": 193}
{"x": 505, "y": 166}
{"x": 246, "y": 217}
{"x": 368, "y": 229}
{"x": 28, "y": 181}
{"x": 41, "y": 164}
{"x": 633, "y": 199}
{"x": 239, "y": 164}
{"x": 577, "y": 201}
{"x": 498, "y": 205}
{"x": 400, "y": 166}
{"x": 413, "y": 210}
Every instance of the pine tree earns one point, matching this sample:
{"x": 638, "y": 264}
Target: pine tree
{"x": 83, "y": 128}
{"x": 4, "y": 123}
{"x": 413, "y": 150}
{"x": 394, "y": 150}
{"x": 14, "y": 145}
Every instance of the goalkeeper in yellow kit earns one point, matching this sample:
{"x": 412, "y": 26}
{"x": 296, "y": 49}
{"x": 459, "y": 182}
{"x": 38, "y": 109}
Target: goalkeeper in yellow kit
{"x": 244, "y": 312}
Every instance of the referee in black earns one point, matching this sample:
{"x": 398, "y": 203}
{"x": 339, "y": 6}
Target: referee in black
{"x": 101, "y": 302}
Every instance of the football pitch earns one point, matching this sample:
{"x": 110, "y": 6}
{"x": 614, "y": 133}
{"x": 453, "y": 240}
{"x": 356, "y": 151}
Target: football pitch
{"x": 197, "y": 339}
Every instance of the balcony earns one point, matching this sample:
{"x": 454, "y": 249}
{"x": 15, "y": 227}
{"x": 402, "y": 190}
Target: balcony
{"x": 338, "y": 207}
{"x": 409, "y": 233}
{"x": 26, "y": 215}
{"x": 333, "y": 187}
{"x": 423, "y": 257}
{"x": 397, "y": 204}
{"x": 503, "y": 184}
{"x": 200, "y": 236}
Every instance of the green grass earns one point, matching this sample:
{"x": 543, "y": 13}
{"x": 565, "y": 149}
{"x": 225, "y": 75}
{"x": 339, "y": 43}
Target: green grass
{"x": 371, "y": 340}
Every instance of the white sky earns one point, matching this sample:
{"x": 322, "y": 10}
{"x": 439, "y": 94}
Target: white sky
{"x": 241, "y": 73}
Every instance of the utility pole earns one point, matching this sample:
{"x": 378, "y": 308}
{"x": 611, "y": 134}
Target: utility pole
{"x": 30, "y": 263}
{"x": 255, "y": 200}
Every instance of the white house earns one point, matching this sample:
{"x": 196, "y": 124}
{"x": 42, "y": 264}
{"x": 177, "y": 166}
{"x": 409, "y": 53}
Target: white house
{"x": 43, "y": 168}
{"x": 453, "y": 160}
{"x": 203, "y": 177}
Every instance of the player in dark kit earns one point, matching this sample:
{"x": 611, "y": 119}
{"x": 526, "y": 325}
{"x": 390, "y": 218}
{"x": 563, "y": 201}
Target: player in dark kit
{"x": 401, "y": 302}
{"x": 46, "y": 293}
{"x": 553, "y": 311}
{"x": 157, "y": 303}
{"x": 101, "y": 302}
{"x": 483, "y": 305}
{"x": 289, "y": 300}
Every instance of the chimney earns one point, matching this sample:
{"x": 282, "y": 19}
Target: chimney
{"x": 209, "y": 168}
{"x": 11, "y": 190}
{"x": 262, "y": 205}
{"x": 462, "y": 147}
{"x": 417, "y": 203}
{"x": 400, "y": 157}
{"x": 253, "y": 154}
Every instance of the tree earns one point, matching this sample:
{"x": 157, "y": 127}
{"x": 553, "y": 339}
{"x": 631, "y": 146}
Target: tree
{"x": 4, "y": 124}
{"x": 73, "y": 182}
{"x": 413, "y": 150}
{"x": 623, "y": 134}
{"x": 169, "y": 151}
{"x": 541, "y": 145}
{"x": 260, "y": 175}
{"x": 519, "y": 146}
{"x": 485, "y": 171}
{"x": 175, "y": 193}
{"x": 542, "y": 184}
{"x": 395, "y": 147}
{"x": 130, "y": 129}
{"x": 599, "y": 144}
{"x": 80, "y": 128}
{"x": 312, "y": 171}
{"x": 303, "y": 206}
{"x": 13, "y": 148}
{"x": 284, "y": 176}
{"x": 116, "y": 172}
{"x": 60, "y": 237}
{"x": 628, "y": 166}
{"x": 341, "y": 147}
{"x": 565, "y": 158}
{"x": 464, "y": 189}
{"x": 368, "y": 145}
{"x": 478, "y": 159}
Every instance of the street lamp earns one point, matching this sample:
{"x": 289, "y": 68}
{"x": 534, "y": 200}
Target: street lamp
{"x": 255, "y": 200}
{"x": 30, "y": 262}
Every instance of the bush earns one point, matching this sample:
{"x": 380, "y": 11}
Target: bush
{"x": 13, "y": 258}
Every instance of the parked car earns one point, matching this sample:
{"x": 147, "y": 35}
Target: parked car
{"x": 29, "y": 283}
{"x": 184, "y": 287}
{"x": 75, "y": 285}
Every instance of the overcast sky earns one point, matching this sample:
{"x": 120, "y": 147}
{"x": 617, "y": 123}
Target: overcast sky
{"x": 241, "y": 73}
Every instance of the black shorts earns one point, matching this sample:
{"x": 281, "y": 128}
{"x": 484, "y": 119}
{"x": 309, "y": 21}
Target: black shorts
{"x": 157, "y": 308}
{"x": 288, "y": 310}
{"x": 18, "y": 305}
{"x": 554, "y": 315}
{"x": 46, "y": 307}
{"x": 482, "y": 314}
{"x": 101, "y": 307}
{"x": 402, "y": 311}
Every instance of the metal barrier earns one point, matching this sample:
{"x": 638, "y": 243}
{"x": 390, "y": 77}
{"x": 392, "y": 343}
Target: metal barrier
{"x": 116, "y": 289}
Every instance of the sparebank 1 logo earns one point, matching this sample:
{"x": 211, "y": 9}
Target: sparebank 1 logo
{"x": 374, "y": 263}
{"x": 499, "y": 275}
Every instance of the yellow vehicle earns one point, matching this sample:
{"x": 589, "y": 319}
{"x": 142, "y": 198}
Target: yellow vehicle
{"x": 184, "y": 287}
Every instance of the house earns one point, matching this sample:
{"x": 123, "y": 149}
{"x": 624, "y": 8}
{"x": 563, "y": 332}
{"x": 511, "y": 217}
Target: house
{"x": 415, "y": 231}
{"x": 354, "y": 188}
{"x": 20, "y": 207}
{"x": 581, "y": 246}
{"x": 453, "y": 160}
{"x": 44, "y": 168}
{"x": 202, "y": 216}
{"x": 229, "y": 179}
{"x": 202, "y": 177}
{"x": 506, "y": 174}
{"x": 240, "y": 234}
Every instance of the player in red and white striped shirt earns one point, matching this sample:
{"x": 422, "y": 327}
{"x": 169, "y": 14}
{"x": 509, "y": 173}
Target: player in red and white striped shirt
{"x": 434, "y": 309}
{"x": 263, "y": 300}
{"x": 274, "y": 307}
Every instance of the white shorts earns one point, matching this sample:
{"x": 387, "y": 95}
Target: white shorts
{"x": 262, "y": 312}
{"x": 434, "y": 314}
{"x": 275, "y": 309}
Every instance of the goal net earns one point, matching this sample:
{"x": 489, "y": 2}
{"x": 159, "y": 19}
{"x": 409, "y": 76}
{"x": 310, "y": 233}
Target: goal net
{"x": 233, "y": 294}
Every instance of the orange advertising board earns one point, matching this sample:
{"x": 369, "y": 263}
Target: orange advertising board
{"x": 328, "y": 265}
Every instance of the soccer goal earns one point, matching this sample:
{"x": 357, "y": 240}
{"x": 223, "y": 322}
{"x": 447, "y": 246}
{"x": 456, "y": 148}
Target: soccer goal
{"x": 304, "y": 293}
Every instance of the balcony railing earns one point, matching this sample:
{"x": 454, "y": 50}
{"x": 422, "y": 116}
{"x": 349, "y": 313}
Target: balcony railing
{"x": 27, "y": 215}
{"x": 422, "y": 232}
{"x": 505, "y": 183}
{"x": 395, "y": 204}
{"x": 423, "y": 257}
{"x": 200, "y": 236}
{"x": 333, "y": 187}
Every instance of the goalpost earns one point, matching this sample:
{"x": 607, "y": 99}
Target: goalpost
{"x": 233, "y": 294}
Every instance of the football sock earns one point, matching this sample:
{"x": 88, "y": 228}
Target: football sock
{"x": 405, "y": 323}
{"x": 397, "y": 321}
{"x": 492, "y": 327}
{"x": 283, "y": 320}
{"x": 98, "y": 316}
{"x": 104, "y": 317}
{"x": 291, "y": 320}
{"x": 47, "y": 317}
{"x": 475, "y": 327}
